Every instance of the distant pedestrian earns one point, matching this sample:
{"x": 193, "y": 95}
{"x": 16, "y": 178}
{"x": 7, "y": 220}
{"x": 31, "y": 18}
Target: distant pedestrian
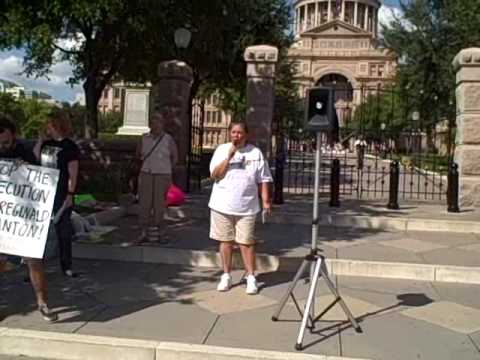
{"x": 11, "y": 150}
{"x": 55, "y": 149}
{"x": 360, "y": 147}
{"x": 240, "y": 171}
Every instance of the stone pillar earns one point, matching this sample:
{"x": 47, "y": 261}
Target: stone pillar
{"x": 261, "y": 62}
{"x": 467, "y": 150}
{"x": 171, "y": 94}
{"x": 316, "y": 14}
{"x": 329, "y": 16}
{"x": 355, "y": 14}
{"x": 365, "y": 25}
{"x": 135, "y": 111}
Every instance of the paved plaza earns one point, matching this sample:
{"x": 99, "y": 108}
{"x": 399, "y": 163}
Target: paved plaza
{"x": 400, "y": 319}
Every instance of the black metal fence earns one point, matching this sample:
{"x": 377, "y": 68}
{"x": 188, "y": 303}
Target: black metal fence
{"x": 195, "y": 167}
{"x": 376, "y": 127}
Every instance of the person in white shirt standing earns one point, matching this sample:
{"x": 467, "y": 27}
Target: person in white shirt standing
{"x": 239, "y": 169}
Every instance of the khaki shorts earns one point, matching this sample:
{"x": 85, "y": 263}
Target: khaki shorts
{"x": 224, "y": 227}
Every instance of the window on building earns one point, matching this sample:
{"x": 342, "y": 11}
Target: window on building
{"x": 349, "y": 12}
{"x": 373, "y": 70}
{"x": 311, "y": 16}
{"x": 323, "y": 8}
{"x": 381, "y": 70}
{"x": 209, "y": 116}
{"x": 105, "y": 93}
{"x": 361, "y": 16}
{"x": 116, "y": 93}
{"x": 370, "y": 18}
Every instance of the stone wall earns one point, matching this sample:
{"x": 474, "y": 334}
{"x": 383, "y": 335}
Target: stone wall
{"x": 467, "y": 152}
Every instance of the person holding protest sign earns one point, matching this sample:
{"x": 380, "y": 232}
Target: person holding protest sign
{"x": 10, "y": 149}
{"x": 55, "y": 149}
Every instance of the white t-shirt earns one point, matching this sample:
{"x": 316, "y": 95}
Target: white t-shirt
{"x": 360, "y": 143}
{"x": 237, "y": 192}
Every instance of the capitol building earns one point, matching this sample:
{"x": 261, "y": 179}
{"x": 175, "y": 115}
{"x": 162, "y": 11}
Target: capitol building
{"x": 337, "y": 44}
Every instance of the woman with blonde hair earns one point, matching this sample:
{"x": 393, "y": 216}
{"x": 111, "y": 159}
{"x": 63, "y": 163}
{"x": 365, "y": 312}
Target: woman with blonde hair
{"x": 56, "y": 149}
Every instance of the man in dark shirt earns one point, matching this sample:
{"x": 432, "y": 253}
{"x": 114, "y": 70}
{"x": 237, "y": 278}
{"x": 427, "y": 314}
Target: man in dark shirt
{"x": 10, "y": 149}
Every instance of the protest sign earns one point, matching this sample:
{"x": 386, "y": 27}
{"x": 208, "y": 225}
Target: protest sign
{"x": 26, "y": 201}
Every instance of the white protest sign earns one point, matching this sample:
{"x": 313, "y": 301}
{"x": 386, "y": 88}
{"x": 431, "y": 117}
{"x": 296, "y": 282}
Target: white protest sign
{"x": 26, "y": 201}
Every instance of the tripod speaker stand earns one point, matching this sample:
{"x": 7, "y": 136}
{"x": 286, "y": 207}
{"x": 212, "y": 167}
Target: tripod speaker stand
{"x": 317, "y": 269}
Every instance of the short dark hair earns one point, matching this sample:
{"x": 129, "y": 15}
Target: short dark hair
{"x": 243, "y": 124}
{"x": 6, "y": 123}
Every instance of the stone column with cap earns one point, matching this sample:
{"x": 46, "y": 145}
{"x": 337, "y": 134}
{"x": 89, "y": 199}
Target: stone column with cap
{"x": 467, "y": 150}
{"x": 261, "y": 61}
{"x": 171, "y": 95}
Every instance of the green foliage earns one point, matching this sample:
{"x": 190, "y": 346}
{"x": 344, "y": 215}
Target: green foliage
{"x": 427, "y": 38}
{"x": 106, "y": 34}
{"x": 28, "y": 114}
{"x": 36, "y": 113}
{"x": 382, "y": 106}
{"x": 110, "y": 122}
{"x": 11, "y": 107}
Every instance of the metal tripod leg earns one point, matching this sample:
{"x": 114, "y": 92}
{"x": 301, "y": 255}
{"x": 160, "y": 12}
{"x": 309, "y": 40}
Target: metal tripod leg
{"x": 309, "y": 304}
{"x": 284, "y": 300}
{"x": 333, "y": 290}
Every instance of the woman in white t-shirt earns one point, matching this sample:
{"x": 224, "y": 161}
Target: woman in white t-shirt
{"x": 238, "y": 169}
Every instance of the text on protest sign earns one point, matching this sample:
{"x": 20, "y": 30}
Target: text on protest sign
{"x": 27, "y": 193}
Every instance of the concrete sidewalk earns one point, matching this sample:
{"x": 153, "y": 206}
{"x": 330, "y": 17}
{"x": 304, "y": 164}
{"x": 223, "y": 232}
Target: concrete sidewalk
{"x": 377, "y": 252}
{"x": 400, "y": 319}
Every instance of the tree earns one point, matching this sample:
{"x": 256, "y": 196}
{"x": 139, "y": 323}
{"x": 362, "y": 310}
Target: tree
{"x": 427, "y": 38}
{"x": 121, "y": 39}
{"x": 221, "y": 30}
{"x": 12, "y": 108}
{"x": 35, "y": 114}
{"x": 98, "y": 38}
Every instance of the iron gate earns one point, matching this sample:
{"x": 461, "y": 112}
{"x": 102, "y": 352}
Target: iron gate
{"x": 381, "y": 125}
{"x": 195, "y": 150}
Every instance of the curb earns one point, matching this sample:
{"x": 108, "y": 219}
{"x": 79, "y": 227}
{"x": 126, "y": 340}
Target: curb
{"x": 270, "y": 263}
{"x": 355, "y": 221}
{"x": 18, "y": 342}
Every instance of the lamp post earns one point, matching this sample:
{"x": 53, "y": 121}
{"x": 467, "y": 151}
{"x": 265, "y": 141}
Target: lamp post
{"x": 182, "y": 38}
{"x": 384, "y": 148}
{"x": 415, "y": 118}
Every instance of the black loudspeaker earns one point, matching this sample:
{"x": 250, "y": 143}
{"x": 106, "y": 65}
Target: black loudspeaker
{"x": 320, "y": 112}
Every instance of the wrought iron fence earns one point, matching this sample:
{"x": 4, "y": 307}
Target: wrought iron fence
{"x": 375, "y": 127}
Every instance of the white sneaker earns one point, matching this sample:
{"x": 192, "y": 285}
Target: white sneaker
{"x": 225, "y": 282}
{"x": 252, "y": 287}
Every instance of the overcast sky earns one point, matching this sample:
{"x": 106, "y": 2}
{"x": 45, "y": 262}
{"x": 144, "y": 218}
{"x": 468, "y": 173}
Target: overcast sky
{"x": 55, "y": 85}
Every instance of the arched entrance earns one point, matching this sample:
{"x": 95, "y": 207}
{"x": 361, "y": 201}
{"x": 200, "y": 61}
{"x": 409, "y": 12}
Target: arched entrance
{"x": 343, "y": 95}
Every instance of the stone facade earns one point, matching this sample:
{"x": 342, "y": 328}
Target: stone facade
{"x": 340, "y": 42}
{"x": 467, "y": 151}
{"x": 261, "y": 61}
{"x": 112, "y": 99}
{"x": 215, "y": 124}
{"x": 172, "y": 94}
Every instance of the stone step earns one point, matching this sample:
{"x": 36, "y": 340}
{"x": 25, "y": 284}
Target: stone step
{"x": 30, "y": 343}
{"x": 269, "y": 263}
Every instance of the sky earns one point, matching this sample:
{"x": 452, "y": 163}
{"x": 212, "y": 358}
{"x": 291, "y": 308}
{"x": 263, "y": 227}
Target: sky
{"x": 11, "y": 65}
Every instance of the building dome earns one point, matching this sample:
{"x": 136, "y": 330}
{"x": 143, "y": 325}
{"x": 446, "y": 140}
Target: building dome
{"x": 362, "y": 14}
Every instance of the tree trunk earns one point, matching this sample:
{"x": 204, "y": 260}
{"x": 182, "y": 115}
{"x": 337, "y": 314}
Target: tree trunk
{"x": 91, "y": 102}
